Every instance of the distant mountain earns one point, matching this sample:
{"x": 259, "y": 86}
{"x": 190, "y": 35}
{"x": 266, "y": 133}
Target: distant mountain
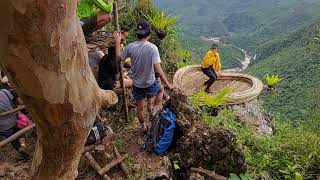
{"x": 221, "y": 17}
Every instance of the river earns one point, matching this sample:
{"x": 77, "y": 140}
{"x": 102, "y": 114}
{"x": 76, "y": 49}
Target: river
{"x": 247, "y": 57}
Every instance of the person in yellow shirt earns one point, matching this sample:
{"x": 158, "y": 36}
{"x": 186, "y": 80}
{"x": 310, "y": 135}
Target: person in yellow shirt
{"x": 210, "y": 65}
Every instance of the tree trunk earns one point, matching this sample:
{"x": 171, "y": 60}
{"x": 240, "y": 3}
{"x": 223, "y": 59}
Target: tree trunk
{"x": 48, "y": 65}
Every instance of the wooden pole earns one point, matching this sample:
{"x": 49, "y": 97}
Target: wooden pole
{"x": 125, "y": 104}
{"x": 12, "y": 111}
{"x": 95, "y": 165}
{"x": 92, "y": 162}
{"x": 112, "y": 164}
{"x": 16, "y": 135}
{"x": 122, "y": 166}
{"x": 210, "y": 174}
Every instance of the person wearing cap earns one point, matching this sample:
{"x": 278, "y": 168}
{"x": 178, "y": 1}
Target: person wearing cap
{"x": 210, "y": 65}
{"x": 145, "y": 61}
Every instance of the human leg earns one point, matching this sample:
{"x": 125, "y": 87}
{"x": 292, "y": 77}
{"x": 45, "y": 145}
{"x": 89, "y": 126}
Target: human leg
{"x": 159, "y": 96}
{"x": 150, "y": 104}
{"x": 210, "y": 72}
{"x": 140, "y": 109}
{"x": 139, "y": 95}
{"x": 153, "y": 92}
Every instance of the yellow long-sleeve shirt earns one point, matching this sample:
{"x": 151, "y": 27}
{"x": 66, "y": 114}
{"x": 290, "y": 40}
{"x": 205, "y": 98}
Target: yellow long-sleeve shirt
{"x": 211, "y": 58}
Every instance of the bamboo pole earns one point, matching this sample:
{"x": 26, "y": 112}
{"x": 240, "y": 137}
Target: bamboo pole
{"x": 112, "y": 164}
{"x": 116, "y": 21}
{"x": 12, "y": 111}
{"x": 122, "y": 166}
{"x": 210, "y": 174}
{"x": 16, "y": 135}
{"x": 95, "y": 165}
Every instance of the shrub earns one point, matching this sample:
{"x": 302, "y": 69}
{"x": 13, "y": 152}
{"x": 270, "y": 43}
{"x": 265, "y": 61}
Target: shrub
{"x": 186, "y": 59}
{"x": 272, "y": 81}
{"x": 160, "y": 21}
{"x": 202, "y": 101}
{"x": 291, "y": 153}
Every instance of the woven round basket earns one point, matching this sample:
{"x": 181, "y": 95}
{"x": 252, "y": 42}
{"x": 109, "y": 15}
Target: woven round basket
{"x": 244, "y": 87}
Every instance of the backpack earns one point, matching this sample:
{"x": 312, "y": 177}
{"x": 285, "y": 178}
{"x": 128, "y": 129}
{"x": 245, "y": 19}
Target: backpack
{"x": 99, "y": 131}
{"x": 159, "y": 136}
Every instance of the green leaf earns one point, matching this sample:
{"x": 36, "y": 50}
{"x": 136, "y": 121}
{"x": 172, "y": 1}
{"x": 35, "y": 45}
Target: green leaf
{"x": 284, "y": 171}
{"x": 176, "y": 166}
{"x": 298, "y": 176}
{"x": 234, "y": 177}
{"x": 244, "y": 177}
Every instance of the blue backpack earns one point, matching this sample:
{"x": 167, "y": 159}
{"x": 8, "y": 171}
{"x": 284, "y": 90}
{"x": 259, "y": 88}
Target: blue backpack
{"x": 160, "y": 135}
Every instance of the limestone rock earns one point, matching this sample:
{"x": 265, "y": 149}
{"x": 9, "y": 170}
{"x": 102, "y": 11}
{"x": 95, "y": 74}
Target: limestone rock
{"x": 251, "y": 113}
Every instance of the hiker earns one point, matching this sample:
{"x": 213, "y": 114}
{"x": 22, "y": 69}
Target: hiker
{"x": 95, "y": 57}
{"x": 90, "y": 19}
{"x": 108, "y": 74}
{"x": 210, "y": 65}
{"x": 145, "y": 61}
{"x": 9, "y": 123}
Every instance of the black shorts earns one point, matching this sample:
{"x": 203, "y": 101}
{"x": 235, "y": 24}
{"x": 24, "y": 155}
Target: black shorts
{"x": 89, "y": 25}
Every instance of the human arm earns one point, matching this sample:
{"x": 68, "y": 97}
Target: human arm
{"x": 117, "y": 38}
{"x": 162, "y": 76}
{"x": 218, "y": 63}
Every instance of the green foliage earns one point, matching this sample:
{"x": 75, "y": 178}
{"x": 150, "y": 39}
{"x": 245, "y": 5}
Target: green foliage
{"x": 203, "y": 100}
{"x": 88, "y": 8}
{"x": 170, "y": 47}
{"x": 316, "y": 39}
{"x": 233, "y": 176}
{"x": 272, "y": 81}
{"x": 186, "y": 55}
{"x": 176, "y": 165}
{"x": 160, "y": 20}
{"x": 119, "y": 143}
{"x": 294, "y": 150}
{"x": 297, "y": 93}
{"x": 291, "y": 173}
{"x": 186, "y": 59}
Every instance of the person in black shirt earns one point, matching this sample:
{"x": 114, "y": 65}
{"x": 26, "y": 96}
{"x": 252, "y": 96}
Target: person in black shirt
{"x": 108, "y": 74}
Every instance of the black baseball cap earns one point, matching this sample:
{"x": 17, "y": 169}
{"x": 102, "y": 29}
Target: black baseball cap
{"x": 214, "y": 45}
{"x": 143, "y": 27}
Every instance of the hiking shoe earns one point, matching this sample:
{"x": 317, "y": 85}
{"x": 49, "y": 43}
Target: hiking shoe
{"x": 155, "y": 111}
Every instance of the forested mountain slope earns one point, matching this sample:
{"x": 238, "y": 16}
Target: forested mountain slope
{"x": 275, "y": 30}
{"x": 297, "y": 60}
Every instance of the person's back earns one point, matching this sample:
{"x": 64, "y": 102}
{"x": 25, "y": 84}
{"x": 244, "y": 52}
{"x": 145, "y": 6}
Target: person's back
{"x": 108, "y": 69}
{"x": 144, "y": 55}
{"x": 145, "y": 61}
{"x": 6, "y": 104}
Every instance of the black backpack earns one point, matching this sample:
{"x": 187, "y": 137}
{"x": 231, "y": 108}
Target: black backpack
{"x": 99, "y": 131}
